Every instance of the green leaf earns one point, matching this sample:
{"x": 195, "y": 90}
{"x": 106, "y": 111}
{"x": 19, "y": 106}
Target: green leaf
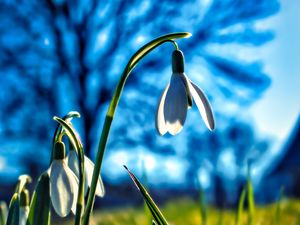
{"x": 240, "y": 207}
{"x": 3, "y": 212}
{"x": 203, "y": 208}
{"x": 39, "y": 213}
{"x": 156, "y": 213}
{"x": 250, "y": 197}
{"x": 13, "y": 212}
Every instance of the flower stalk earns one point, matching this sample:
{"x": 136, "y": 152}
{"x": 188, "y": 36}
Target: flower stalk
{"x": 143, "y": 51}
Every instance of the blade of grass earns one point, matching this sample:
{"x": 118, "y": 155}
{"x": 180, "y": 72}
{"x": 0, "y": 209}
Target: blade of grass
{"x": 156, "y": 213}
{"x": 203, "y": 208}
{"x": 240, "y": 208}
{"x": 250, "y": 197}
{"x": 145, "y": 182}
{"x": 276, "y": 216}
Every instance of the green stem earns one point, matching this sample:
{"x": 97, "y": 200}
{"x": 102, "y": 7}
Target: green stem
{"x": 79, "y": 148}
{"x": 112, "y": 107}
{"x": 59, "y": 133}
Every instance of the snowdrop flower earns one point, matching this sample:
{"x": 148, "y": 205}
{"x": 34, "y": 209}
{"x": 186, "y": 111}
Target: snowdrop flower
{"x": 88, "y": 170}
{"x": 63, "y": 182}
{"x": 24, "y": 207}
{"x": 177, "y": 97}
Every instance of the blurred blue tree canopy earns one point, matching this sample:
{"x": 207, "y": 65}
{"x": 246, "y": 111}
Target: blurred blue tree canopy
{"x": 60, "y": 55}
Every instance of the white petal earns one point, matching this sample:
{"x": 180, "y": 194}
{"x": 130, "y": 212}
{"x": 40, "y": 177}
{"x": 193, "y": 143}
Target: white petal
{"x": 23, "y": 215}
{"x": 176, "y": 104}
{"x": 203, "y": 106}
{"x": 63, "y": 187}
{"x": 186, "y": 82}
{"x": 89, "y": 168}
{"x": 73, "y": 162}
{"x": 160, "y": 122}
{"x": 75, "y": 185}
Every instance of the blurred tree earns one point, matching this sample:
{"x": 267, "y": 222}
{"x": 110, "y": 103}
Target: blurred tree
{"x": 60, "y": 55}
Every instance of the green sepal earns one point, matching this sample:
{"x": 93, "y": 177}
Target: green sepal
{"x": 3, "y": 212}
{"x": 39, "y": 213}
{"x": 156, "y": 213}
{"x": 13, "y": 212}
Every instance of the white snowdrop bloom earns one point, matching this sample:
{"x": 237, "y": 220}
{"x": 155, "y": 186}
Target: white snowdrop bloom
{"x": 24, "y": 207}
{"x": 88, "y": 172}
{"x": 177, "y": 97}
{"x": 63, "y": 183}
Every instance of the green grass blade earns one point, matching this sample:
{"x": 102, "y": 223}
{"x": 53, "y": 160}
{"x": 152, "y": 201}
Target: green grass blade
{"x": 240, "y": 208}
{"x": 3, "y": 212}
{"x": 156, "y": 213}
{"x": 13, "y": 212}
{"x": 250, "y": 197}
{"x": 220, "y": 218}
{"x": 277, "y": 212}
{"x": 203, "y": 208}
{"x": 145, "y": 182}
{"x": 39, "y": 213}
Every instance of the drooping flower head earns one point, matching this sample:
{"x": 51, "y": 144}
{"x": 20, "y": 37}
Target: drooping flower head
{"x": 63, "y": 182}
{"x": 177, "y": 97}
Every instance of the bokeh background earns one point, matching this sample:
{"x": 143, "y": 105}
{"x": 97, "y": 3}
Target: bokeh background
{"x": 59, "y": 56}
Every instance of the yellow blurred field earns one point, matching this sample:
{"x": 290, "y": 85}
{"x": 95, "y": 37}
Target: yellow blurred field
{"x": 187, "y": 212}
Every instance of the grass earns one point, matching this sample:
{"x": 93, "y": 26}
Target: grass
{"x": 187, "y": 212}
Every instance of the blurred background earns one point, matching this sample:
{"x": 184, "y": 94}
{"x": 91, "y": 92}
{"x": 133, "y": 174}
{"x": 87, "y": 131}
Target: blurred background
{"x": 60, "y": 56}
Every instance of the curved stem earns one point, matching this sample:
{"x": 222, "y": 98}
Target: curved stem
{"x": 58, "y": 134}
{"x": 79, "y": 148}
{"x": 112, "y": 107}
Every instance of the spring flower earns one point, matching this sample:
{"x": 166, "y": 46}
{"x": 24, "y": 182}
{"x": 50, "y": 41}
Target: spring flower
{"x": 24, "y": 207}
{"x": 88, "y": 170}
{"x": 177, "y": 97}
{"x": 63, "y": 183}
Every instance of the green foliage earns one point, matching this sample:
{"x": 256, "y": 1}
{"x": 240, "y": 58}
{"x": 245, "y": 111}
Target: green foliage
{"x": 277, "y": 212}
{"x": 240, "y": 207}
{"x": 3, "y": 212}
{"x": 39, "y": 213}
{"x": 156, "y": 213}
{"x": 250, "y": 197}
{"x": 185, "y": 211}
{"x": 13, "y": 212}
{"x": 203, "y": 209}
